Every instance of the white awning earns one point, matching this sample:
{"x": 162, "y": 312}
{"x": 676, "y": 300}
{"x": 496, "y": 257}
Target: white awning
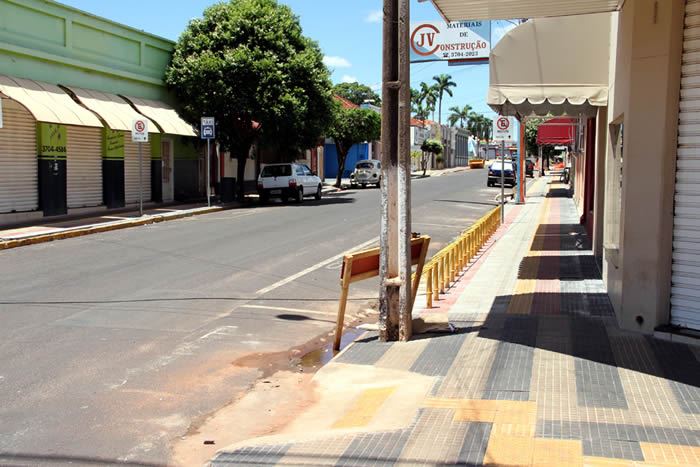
{"x": 453, "y": 10}
{"x": 555, "y": 66}
{"x": 114, "y": 110}
{"x": 47, "y": 102}
{"x": 165, "y": 116}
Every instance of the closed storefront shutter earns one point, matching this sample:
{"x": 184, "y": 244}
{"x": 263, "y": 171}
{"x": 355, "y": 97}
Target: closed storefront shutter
{"x": 18, "y": 159}
{"x": 84, "y": 166}
{"x": 685, "y": 282}
{"x": 131, "y": 170}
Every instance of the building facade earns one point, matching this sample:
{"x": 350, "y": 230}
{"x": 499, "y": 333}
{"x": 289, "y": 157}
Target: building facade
{"x": 71, "y": 84}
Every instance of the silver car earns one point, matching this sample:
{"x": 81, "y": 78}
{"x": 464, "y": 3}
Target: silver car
{"x": 367, "y": 172}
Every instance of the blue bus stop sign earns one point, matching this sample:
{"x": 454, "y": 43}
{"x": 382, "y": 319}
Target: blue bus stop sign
{"x": 207, "y": 128}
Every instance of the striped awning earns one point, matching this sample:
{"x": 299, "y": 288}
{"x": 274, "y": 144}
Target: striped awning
{"x": 164, "y": 115}
{"x": 47, "y": 102}
{"x": 114, "y": 110}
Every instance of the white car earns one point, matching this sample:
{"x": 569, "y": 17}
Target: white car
{"x": 287, "y": 181}
{"x": 367, "y": 172}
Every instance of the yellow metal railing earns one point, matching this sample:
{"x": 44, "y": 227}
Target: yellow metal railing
{"x": 449, "y": 263}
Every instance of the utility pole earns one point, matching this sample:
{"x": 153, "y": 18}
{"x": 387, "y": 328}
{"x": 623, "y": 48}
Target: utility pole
{"x": 395, "y": 300}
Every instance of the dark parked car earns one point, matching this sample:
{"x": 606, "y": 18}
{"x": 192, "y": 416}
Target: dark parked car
{"x": 495, "y": 174}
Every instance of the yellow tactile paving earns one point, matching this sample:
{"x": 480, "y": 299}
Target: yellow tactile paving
{"x": 475, "y": 415}
{"x": 521, "y": 301}
{"x": 364, "y": 408}
{"x": 670, "y": 454}
{"x": 557, "y": 452}
{"x": 509, "y": 450}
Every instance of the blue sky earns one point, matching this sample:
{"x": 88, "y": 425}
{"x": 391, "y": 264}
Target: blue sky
{"x": 349, "y": 33}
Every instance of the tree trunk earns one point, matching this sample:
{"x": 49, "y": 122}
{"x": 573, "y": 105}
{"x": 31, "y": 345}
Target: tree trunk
{"x": 342, "y": 155}
{"x": 241, "y": 158}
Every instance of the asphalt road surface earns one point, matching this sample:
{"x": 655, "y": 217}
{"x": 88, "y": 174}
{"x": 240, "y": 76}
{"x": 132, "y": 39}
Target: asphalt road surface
{"x": 112, "y": 344}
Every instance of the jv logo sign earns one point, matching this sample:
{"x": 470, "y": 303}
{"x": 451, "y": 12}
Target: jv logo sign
{"x": 424, "y": 40}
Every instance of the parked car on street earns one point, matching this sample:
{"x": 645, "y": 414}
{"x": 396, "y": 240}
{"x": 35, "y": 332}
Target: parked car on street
{"x": 494, "y": 176}
{"x": 367, "y": 172}
{"x": 529, "y": 168}
{"x": 287, "y": 181}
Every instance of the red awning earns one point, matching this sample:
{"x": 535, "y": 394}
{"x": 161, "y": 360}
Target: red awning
{"x": 557, "y": 131}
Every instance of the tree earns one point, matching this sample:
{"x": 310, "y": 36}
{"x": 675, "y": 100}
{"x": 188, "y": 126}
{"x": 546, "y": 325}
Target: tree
{"x": 443, "y": 85}
{"x": 459, "y": 115}
{"x": 428, "y": 95}
{"x": 429, "y": 147}
{"x": 247, "y": 63}
{"x": 357, "y": 93}
{"x": 350, "y": 127}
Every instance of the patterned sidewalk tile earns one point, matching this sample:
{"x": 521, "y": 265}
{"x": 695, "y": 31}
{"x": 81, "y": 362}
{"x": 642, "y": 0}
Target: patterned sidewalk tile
{"x": 538, "y": 373}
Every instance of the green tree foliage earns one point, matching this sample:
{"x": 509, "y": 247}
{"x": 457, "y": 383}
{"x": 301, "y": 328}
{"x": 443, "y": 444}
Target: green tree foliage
{"x": 432, "y": 146}
{"x": 460, "y": 115}
{"x": 247, "y": 63}
{"x": 357, "y": 93}
{"x": 350, "y": 127}
{"x": 443, "y": 85}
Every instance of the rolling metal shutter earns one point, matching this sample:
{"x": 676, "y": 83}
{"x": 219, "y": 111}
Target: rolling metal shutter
{"x": 131, "y": 170}
{"x": 84, "y": 166}
{"x": 685, "y": 277}
{"x": 18, "y": 159}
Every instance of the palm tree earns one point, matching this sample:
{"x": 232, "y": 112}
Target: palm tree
{"x": 443, "y": 85}
{"x": 429, "y": 96}
{"x": 459, "y": 115}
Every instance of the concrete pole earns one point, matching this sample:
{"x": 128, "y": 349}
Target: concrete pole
{"x": 388, "y": 235}
{"x": 404, "y": 175}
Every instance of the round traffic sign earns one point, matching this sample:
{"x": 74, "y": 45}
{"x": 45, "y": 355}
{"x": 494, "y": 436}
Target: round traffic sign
{"x": 140, "y": 126}
{"x": 503, "y": 123}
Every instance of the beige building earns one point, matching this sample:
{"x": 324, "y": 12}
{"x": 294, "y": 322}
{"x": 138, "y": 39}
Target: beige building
{"x": 637, "y": 88}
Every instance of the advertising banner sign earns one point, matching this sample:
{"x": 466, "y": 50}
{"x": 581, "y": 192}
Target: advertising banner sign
{"x": 454, "y": 41}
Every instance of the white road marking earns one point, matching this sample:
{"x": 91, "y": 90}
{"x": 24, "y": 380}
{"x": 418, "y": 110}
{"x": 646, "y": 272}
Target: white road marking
{"x": 221, "y": 330}
{"x": 291, "y": 310}
{"x": 310, "y": 269}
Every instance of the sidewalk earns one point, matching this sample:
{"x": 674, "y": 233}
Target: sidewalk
{"x": 538, "y": 372}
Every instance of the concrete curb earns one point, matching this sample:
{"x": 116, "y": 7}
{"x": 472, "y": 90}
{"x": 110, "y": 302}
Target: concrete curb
{"x": 93, "y": 229}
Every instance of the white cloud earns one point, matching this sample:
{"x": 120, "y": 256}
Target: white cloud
{"x": 336, "y": 62}
{"x": 349, "y": 79}
{"x": 376, "y": 87}
{"x": 374, "y": 16}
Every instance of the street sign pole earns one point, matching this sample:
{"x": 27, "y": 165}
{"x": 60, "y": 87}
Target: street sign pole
{"x": 139, "y": 134}
{"x": 208, "y": 176}
{"x": 140, "y": 180}
{"x": 207, "y": 131}
{"x": 503, "y": 189}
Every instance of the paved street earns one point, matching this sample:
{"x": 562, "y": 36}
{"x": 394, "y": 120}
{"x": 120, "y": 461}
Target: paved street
{"x": 112, "y": 344}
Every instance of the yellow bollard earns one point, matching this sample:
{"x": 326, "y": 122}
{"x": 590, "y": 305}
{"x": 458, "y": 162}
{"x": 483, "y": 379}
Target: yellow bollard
{"x": 441, "y": 261}
{"x": 445, "y": 272}
{"x": 436, "y": 283}
{"x": 429, "y": 288}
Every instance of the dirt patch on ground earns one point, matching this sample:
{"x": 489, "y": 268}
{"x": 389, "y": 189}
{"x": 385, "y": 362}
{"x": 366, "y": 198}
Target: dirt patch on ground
{"x": 282, "y": 392}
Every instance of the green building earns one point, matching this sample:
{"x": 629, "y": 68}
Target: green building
{"x": 71, "y": 84}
